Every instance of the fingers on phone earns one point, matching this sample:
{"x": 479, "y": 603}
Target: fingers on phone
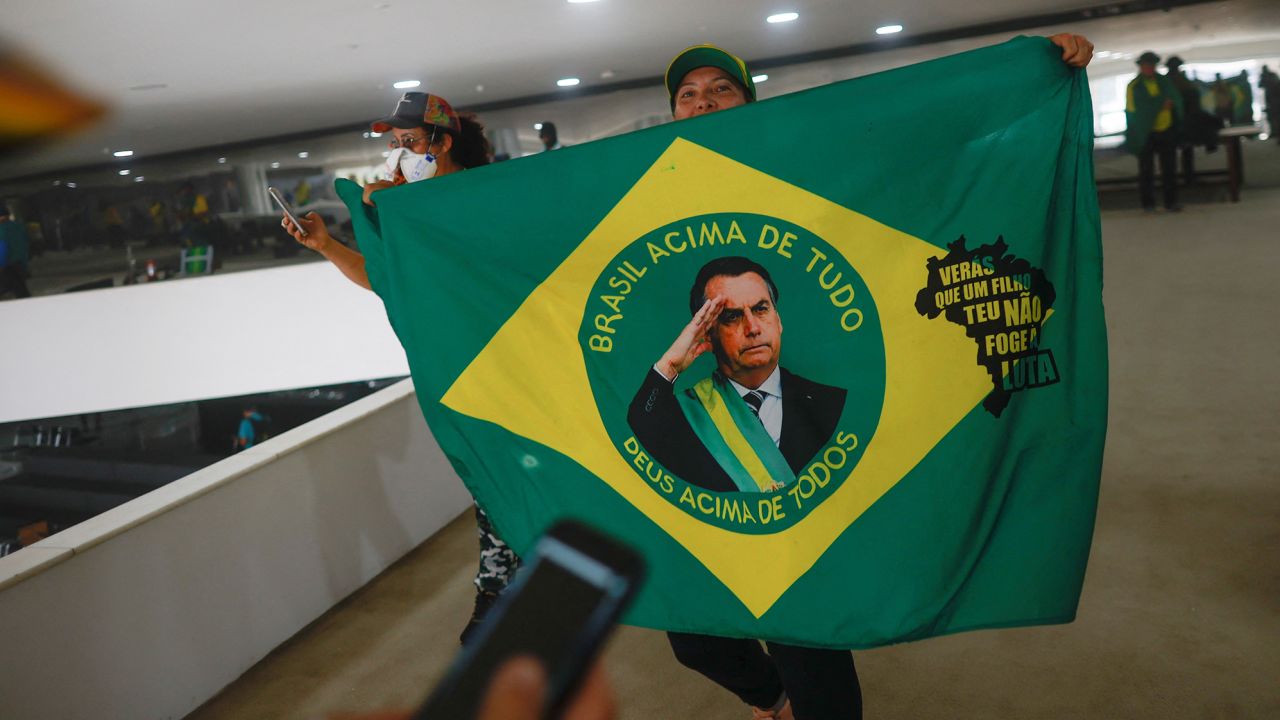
{"x": 516, "y": 691}
{"x": 595, "y": 701}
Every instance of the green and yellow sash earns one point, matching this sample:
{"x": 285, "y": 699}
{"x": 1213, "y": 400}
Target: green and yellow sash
{"x": 734, "y": 435}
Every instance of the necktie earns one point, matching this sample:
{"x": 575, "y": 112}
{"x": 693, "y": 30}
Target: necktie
{"x": 755, "y": 399}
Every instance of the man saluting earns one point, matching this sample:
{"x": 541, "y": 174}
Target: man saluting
{"x": 752, "y": 425}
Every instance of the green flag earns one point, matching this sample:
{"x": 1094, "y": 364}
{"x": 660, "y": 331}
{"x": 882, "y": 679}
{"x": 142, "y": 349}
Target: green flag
{"x": 932, "y": 238}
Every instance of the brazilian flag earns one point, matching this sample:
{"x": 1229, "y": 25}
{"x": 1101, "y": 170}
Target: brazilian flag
{"x": 927, "y": 459}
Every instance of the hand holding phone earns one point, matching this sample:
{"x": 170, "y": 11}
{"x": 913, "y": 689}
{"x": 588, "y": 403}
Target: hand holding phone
{"x": 518, "y": 689}
{"x": 288, "y": 211}
{"x": 559, "y": 610}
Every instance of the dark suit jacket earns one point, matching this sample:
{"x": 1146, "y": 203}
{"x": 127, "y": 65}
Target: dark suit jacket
{"x": 810, "y": 412}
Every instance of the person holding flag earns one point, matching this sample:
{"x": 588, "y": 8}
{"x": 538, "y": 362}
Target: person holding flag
{"x": 790, "y": 681}
{"x": 429, "y": 140}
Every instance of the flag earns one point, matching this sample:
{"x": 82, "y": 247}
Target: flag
{"x": 932, "y": 234}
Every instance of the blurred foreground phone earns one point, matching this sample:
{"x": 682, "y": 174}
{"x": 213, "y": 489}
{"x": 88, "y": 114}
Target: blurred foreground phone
{"x": 288, "y": 211}
{"x": 560, "y": 609}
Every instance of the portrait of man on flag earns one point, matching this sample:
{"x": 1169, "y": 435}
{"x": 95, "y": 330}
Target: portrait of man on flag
{"x": 751, "y": 425}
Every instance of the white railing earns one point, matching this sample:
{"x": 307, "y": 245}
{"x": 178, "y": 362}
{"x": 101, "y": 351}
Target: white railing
{"x": 151, "y": 608}
{"x": 191, "y": 339}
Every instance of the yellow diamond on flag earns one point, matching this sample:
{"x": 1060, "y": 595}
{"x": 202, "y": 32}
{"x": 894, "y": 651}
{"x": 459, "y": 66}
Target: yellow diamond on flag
{"x": 531, "y": 378}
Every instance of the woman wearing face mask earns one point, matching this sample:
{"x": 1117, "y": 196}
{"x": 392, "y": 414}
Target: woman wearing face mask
{"x": 430, "y": 140}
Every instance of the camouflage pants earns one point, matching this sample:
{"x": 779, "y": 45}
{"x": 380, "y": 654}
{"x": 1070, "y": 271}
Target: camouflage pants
{"x": 498, "y": 564}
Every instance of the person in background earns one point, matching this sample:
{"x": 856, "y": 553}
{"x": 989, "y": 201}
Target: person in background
{"x": 429, "y": 140}
{"x": 114, "y": 221}
{"x": 550, "y": 138}
{"x": 1270, "y": 84}
{"x": 1224, "y": 100}
{"x": 1199, "y": 127}
{"x": 247, "y": 434}
{"x": 1243, "y": 92}
{"x": 1153, "y": 113}
{"x": 302, "y": 195}
{"x": 15, "y": 249}
{"x": 193, "y": 214}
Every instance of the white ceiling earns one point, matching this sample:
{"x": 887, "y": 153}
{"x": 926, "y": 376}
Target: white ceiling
{"x": 240, "y": 69}
{"x": 198, "y": 73}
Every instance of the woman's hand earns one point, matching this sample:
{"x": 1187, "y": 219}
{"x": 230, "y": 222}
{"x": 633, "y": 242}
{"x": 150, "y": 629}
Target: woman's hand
{"x": 317, "y": 237}
{"x": 373, "y": 187}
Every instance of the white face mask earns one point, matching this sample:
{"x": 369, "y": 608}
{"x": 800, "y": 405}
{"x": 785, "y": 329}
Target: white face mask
{"x": 413, "y": 166}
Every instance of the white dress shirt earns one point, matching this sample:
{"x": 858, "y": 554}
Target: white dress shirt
{"x": 771, "y": 409}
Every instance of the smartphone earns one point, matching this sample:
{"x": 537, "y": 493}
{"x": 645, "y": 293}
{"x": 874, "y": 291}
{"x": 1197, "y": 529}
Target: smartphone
{"x": 560, "y": 608}
{"x": 288, "y": 211}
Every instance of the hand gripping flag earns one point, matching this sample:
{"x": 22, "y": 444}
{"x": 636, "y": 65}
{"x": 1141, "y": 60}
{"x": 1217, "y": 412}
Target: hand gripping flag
{"x": 933, "y": 236}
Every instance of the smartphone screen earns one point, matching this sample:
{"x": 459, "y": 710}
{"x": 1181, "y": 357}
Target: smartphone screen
{"x": 559, "y": 610}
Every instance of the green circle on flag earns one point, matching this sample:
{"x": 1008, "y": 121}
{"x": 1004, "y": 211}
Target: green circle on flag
{"x": 697, "y": 443}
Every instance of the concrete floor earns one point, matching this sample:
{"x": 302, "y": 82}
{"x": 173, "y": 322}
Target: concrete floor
{"x": 1180, "y": 616}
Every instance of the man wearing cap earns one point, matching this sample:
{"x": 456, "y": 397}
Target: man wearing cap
{"x": 790, "y": 681}
{"x": 1153, "y": 113}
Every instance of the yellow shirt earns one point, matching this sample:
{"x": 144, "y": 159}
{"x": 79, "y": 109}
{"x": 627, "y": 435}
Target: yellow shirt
{"x": 1165, "y": 117}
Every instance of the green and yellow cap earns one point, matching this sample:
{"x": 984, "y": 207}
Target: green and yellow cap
{"x": 692, "y": 58}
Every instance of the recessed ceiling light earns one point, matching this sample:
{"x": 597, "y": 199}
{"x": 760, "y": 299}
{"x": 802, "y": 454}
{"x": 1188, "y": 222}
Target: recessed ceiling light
{"x": 71, "y": 185}
{"x": 479, "y": 88}
{"x": 304, "y": 154}
{"x": 140, "y": 178}
{"x": 406, "y": 84}
{"x": 782, "y": 17}
{"x": 275, "y": 164}
{"x": 126, "y": 171}
{"x": 375, "y": 134}
{"x": 1102, "y": 54}
{"x": 568, "y": 82}
{"x": 888, "y": 29}
{"x": 123, "y": 153}
{"x": 56, "y": 183}
{"x": 606, "y": 74}
{"x": 222, "y": 161}
{"x": 537, "y": 126}
{"x": 759, "y": 78}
